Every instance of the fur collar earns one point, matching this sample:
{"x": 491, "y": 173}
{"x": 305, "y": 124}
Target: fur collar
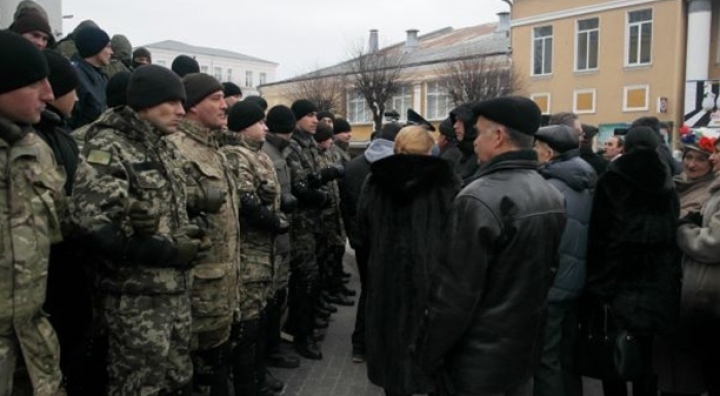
{"x": 405, "y": 176}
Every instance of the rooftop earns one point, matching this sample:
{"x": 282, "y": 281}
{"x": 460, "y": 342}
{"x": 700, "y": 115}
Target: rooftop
{"x": 172, "y": 45}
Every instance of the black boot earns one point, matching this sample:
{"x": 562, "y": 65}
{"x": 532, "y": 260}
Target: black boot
{"x": 322, "y": 302}
{"x": 346, "y": 291}
{"x": 340, "y": 299}
{"x": 321, "y": 324}
{"x": 281, "y": 360}
{"x": 306, "y": 347}
{"x": 273, "y": 383}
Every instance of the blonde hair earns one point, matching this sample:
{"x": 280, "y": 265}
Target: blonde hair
{"x": 413, "y": 140}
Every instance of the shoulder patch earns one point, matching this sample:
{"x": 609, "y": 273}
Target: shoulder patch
{"x": 99, "y": 157}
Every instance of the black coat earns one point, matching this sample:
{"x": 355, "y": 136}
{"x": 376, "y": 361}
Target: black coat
{"x": 91, "y": 91}
{"x": 452, "y": 154}
{"x": 53, "y": 130}
{"x": 633, "y": 260}
{"x": 596, "y": 161}
{"x": 486, "y": 312}
{"x": 401, "y": 218}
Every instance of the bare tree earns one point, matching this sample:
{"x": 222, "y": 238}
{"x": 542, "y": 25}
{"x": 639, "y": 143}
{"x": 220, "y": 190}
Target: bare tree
{"x": 376, "y": 77}
{"x": 326, "y": 92}
{"x": 475, "y": 78}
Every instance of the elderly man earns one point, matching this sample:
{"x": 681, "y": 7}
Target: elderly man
{"x": 484, "y": 320}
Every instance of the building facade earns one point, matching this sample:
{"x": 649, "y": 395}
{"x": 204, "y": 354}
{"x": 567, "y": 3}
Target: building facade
{"x": 612, "y": 61}
{"x": 246, "y": 71}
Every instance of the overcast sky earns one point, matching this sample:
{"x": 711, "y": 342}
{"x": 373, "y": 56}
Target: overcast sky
{"x": 299, "y": 35}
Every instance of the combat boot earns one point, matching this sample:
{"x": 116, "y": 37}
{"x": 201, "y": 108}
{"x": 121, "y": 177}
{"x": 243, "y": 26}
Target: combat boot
{"x": 306, "y": 347}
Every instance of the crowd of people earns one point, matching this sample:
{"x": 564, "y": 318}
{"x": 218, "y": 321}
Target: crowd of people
{"x": 162, "y": 233}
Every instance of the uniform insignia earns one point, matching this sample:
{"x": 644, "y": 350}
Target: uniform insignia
{"x": 99, "y": 157}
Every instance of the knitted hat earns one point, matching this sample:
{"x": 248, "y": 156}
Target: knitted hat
{"x": 641, "y": 138}
{"x": 323, "y": 132}
{"x": 560, "y": 138}
{"x": 303, "y": 107}
{"x": 117, "y": 88}
{"x": 31, "y": 20}
{"x": 243, "y": 115}
{"x": 26, "y": 66}
{"x": 325, "y": 114}
{"x": 152, "y": 85}
{"x": 90, "y": 41}
{"x": 258, "y": 100}
{"x": 199, "y": 86}
{"x": 184, "y": 65}
{"x": 341, "y": 126}
{"x": 516, "y": 112}
{"x": 230, "y": 89}
{"x": 280, "y": 119}
{"x": 63, "y": 76}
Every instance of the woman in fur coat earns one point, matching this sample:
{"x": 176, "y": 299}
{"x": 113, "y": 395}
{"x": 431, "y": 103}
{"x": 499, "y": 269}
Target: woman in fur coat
{"x": 401, "y": 216}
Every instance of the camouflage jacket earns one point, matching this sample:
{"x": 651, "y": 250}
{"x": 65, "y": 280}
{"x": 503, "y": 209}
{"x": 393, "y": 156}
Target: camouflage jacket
{"x": 79, "y": 134}
{"x": 274, "y": 147}
{"x": 301, "y": 156}
{"x": 114, "y": 67}
{"x": 215, "y": 286}
{"x": 32, "y": 203}
{"x": 340, "y": 152}
{"x": 254, "y": 173}
{"x": 129, "y": 161}
{"x": 331, "y": 222}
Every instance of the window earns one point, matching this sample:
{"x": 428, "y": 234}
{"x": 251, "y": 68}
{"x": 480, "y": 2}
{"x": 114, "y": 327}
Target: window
{"x": 357, "y": 111}
{"x": 587, "y": 43}
{"x": 204, "y": 69}
{"x": 639, "y": 38}
{"x": 584, "y": 101}
{"x": 229, "y": 75}
{"x": 438, "y": 101}
{"x": 217, "y": 73}
{"x": 249, "y": 79}
{"x": 542, "y": 50}
{"x": 636, "y": 98}
{"x": 263, "y": 78}
{"x": 401, "y": 101}
{"x": 543, "y": 102}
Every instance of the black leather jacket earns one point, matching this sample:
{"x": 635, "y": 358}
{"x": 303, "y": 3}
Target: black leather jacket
{"x": 485, "y": 317}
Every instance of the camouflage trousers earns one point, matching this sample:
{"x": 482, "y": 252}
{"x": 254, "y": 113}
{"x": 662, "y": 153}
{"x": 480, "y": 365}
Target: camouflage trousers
{"x": 253, "y": 299}
{"x": 303, "y": 262}
{"x": 149, "y": 344}
{"x": 32, "y": 341}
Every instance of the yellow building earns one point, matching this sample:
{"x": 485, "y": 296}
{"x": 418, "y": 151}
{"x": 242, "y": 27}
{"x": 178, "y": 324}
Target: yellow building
{"x": 612, "y": 61}
{"x": 424, "y": 86}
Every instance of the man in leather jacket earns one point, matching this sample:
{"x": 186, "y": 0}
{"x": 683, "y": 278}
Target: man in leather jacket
{"x": 482, "y": 333}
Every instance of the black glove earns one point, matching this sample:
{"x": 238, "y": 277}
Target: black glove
{"x": 259, "y": 215}
{"x": 143, "y": 219}
{"x": 315, "y": 180}
{"x": 332, "y": 173}
{"x": 288, "y": 203}
{"x": 692, "y": 218}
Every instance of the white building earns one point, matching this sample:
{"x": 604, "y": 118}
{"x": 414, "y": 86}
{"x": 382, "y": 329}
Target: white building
{"x": 52, "y": 7}
{"x": 245, "y": 71}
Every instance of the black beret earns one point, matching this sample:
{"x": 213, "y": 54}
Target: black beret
{"x": 63, "y": 76}
{"x": 243, "y": 115}
{"x": 340, "y": 125}
{"x": 280, "y": 119}
{"x": 152, "y": 85}
{"x": 199, "y": 86}
{"x": 323, "y": 132}
{"x": 303, "y": 107}
{"x": 515, "y": 112}
{"x": 26, "y": 66}
{"x": 560, "y": 138}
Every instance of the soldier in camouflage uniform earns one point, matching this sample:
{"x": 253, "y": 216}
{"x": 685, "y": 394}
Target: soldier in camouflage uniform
{"x": 281, "y": 124}
{"x": 211, "y": 200}
{"x": 31, "y": 207}
{"x": 306, "y": 183}
{"x": 66, "y": 46}
{"x": 131, "y": 204}
{"x": 259, "y": 192}
{"x": 122, "y": 56}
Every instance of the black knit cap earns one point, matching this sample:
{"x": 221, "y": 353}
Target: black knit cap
{"x": 516, "y": 112}
{"x": 26, "y": 66}
{"x": 641, "y": 138}
{"x": 280, "y": 119}
{"x": 199, "y": 86}
{"x": 152, "y": 85}
{"x": 303, "y": 107}
{"x": 231, "y": 89}
{"x": 183, "y": 65}
{"x": 90, "y": 41}
{"x": 117, "y": 88}
{"x": 243, "y": 115}
{"x": 560, "y": 138}
{"x": 325, "y": 114}
{"x": 340, "y": 126}
{"x": 142, "y": 52}
{"x": 258, "y": 100}
{"x": 31, "y": 21}
{"x": 63, "y": 76}
{"x": 323, "y": 132}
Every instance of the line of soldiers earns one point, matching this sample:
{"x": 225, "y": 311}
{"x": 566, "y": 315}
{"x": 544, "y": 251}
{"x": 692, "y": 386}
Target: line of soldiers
{"x": 186, "y": 227}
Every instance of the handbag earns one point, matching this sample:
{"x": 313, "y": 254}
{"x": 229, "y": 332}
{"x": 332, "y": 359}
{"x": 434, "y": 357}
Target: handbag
{"x": 594, "y": 350}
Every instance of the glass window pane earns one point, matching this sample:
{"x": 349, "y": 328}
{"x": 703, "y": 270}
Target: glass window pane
{"x": 640, "y": 16}
{"x": 582, "y": 51}
{"x": 633, "y": 47}
{"x": 547, "y": 64}
{"x": 588, "y": 24}
{"x": 593, "y": 48}
{"x": 646, "y": 43}
{"x": 537, "y": 54}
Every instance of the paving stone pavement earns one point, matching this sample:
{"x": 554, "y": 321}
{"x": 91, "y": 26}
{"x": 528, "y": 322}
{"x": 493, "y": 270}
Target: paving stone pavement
{"x": 336, "y": 374}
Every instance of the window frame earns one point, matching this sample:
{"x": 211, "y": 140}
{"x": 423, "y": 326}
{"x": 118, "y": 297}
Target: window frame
{"x": 449, "y": 104}
{"x": 405, "y": 95}
{"x": 594, "y": 101}
{"x": 262, "y": 78}
{"x": 249, "y": 79}
{"x": 587, "y": 33}
{"x": 548, "y": 95}
{"x": 627, "y": 88}
{"x": 551, "y": 38}
{"x": 354, "y": 98}
{"x": 628, "y": 26}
